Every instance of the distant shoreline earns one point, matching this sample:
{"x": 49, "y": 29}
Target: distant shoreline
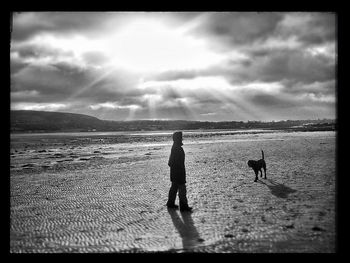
{"x": 53, "y": 122}
{"x": 162, "y": 132}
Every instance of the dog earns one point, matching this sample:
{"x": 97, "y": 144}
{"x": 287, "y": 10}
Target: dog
{"x": 258, "y": 166}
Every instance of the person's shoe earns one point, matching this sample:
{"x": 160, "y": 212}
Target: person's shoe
{"x": 186, "y": 209}
{"x": 173, "y": 206}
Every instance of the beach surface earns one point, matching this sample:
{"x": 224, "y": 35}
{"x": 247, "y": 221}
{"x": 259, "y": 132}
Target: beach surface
{"x": 106, "y": 192}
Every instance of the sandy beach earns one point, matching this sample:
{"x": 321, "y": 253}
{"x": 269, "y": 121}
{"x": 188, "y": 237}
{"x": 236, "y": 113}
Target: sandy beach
{"x": 107, "y": 193}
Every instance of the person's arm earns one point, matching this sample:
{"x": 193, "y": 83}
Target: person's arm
{"x": 171, "y": 161}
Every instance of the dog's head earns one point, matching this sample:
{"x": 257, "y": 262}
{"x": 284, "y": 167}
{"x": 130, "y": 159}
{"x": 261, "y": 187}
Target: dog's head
{"x": 250, "y": 163}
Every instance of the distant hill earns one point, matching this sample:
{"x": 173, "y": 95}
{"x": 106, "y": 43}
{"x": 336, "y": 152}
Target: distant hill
{"x": 52, "y": 121}
{"x": 42, "y": 121}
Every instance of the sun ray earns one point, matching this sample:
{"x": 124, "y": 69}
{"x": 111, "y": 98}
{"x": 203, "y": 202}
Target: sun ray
{"x": 227, "y": 97}
{"x": 187, "y": 111}
{"x": 132, "y": 112}
{"x": 91, "y": 84}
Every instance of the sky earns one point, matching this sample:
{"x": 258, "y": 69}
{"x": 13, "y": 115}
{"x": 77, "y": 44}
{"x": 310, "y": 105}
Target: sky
{"x": 206, "y": 66}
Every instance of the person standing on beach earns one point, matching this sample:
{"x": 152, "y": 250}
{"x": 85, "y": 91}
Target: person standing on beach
{"x": 177, "y": 174}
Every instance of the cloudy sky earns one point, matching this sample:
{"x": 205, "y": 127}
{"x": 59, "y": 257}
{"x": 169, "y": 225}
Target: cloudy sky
{"x": 210, "y": 66}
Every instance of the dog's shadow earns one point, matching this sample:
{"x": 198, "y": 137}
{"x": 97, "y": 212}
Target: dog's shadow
{"x": 277, "y": 189}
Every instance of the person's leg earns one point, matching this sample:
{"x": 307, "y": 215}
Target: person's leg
{"x": 172, "y": 195}
{"x": 183, "y": 198}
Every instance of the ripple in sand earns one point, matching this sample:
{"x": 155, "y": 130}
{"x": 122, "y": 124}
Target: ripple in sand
{"x": 28, "y": 165}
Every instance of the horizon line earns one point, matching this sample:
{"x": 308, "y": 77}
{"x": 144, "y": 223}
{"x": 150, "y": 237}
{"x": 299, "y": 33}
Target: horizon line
{"x": 324, "y": 118}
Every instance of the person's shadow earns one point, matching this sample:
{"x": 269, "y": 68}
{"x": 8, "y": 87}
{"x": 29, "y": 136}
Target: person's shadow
{"x": 277, "y": 189}
{"x": 185, "y": 226}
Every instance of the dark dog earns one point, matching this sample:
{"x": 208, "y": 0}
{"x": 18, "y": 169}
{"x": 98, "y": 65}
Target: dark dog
{"x": 258, "y": 166}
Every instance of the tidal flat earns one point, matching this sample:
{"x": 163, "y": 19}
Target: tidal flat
{"x": 106, "y": 192}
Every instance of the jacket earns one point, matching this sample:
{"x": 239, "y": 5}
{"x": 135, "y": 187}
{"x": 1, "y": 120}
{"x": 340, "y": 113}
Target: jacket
{"x": 177, "y": 164}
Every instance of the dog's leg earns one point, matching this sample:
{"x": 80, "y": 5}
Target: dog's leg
{"x": 264, "y": 170}
{"x": 256, "y": 175}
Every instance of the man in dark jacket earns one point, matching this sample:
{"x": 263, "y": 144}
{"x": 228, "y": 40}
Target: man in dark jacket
{"x": 177, "y": 174}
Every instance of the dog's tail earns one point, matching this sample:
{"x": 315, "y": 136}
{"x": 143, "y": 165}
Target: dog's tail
{"x": 262, "y": 154}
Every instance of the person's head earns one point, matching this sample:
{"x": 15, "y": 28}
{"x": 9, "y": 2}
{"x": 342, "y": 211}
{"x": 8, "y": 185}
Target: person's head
{"x": 177, "y": 137}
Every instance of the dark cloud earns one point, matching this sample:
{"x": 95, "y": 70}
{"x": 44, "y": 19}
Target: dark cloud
{"x": 227, "y": 30}
{"x": 309, "y": 28}
{"x": 49, "y": 80}
{"x": 297, "y": 65}
{"x": 294, "y": 66}
{"x": 318, "y": 87}
{"x": 170, "y": 93}
{"x": 63, "y": 81}
{"x": 35, "y": 51}
{"x": 284, "y": 106}
{"x": 238, "y": 28}
{"x": 16, "y": 65}
{"x": 27, "y": 24}
{"x": 272, "y": 101}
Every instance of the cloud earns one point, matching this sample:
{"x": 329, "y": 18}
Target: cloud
{"x": 309, "y": 28}
{"x": 113, "y": 105}
{"x": 290, "y": 65}
{"x": 26, "y": 25}
{"x": 29, "y": 24}
{"x": 38, "y": 106}
{"x": 267, "y": 65}
{"x": 238, "y": 28}
{"x": 62, "y": 82}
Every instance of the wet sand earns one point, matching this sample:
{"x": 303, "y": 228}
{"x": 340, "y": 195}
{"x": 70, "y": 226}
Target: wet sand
{"x": 108, "y": 194}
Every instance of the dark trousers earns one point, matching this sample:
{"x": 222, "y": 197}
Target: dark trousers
{"x": 182, "y": 194}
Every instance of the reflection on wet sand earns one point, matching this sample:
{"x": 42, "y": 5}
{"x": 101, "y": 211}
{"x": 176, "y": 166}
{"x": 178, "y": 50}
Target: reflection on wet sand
{"x": 186, "y": 228}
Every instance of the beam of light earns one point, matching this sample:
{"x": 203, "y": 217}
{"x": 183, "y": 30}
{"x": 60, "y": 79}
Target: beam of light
{"x": 214, "y": 87}
{"x": 132, "y": 112}
{"x": 156, "y": 102}
{"x": 151, "y": 100}
{"x": 229, "y": 102}
{"x": 184, "y": 104}
{"x": 90, "y": 85}
{"x": 258, "y": 111}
